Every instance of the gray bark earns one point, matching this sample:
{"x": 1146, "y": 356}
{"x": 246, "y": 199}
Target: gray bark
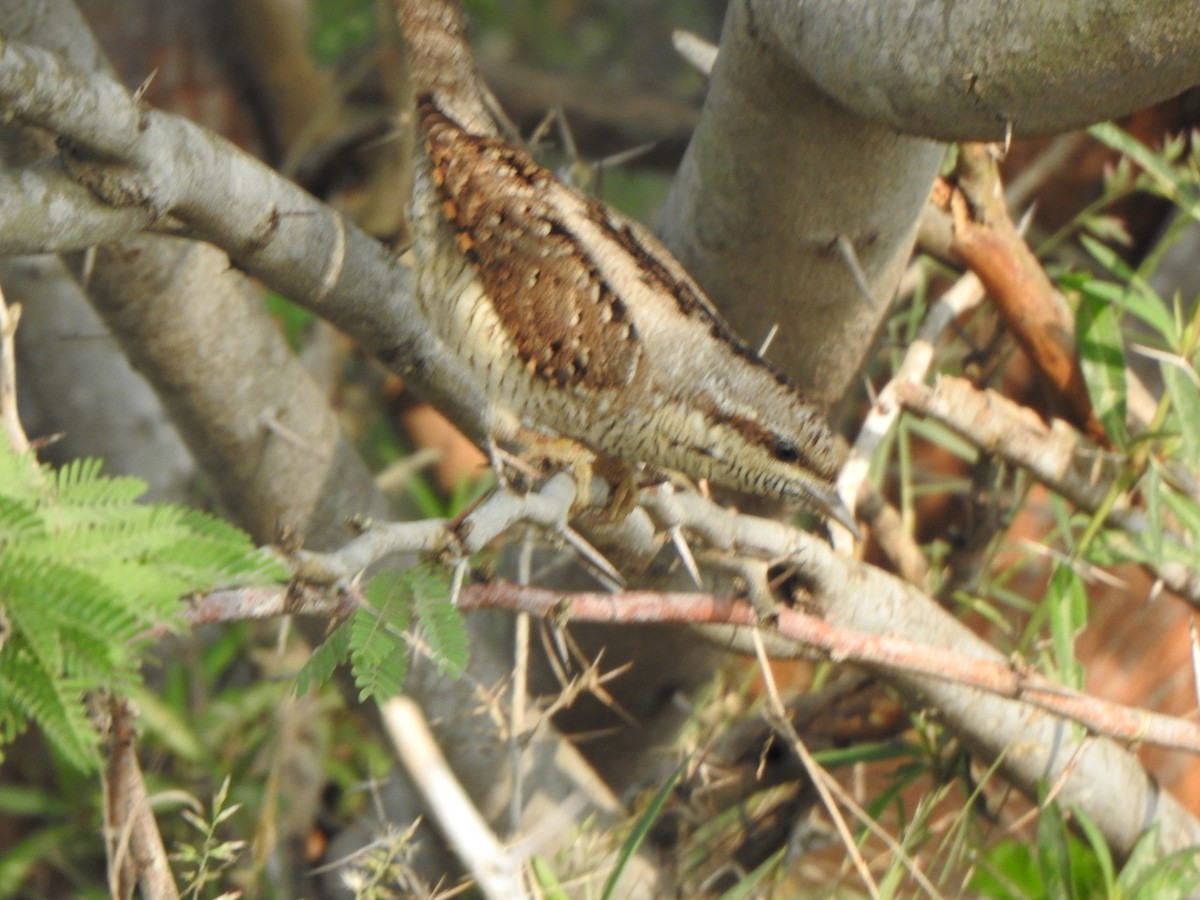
{"x": 262, "y": 431}
{"x": 782, "y": 166}
{"x": 820, "y": 122}
{"x": 971, "y": 71}
{"x": 775, "y": 174}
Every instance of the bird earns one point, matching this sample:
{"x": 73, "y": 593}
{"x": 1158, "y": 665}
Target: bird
{"x": 575, "y": 320}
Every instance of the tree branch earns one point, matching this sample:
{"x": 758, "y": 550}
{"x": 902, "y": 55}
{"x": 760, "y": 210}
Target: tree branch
{"x": 147, "y": 169}
{"x": 496, "y": 869}
{"x": 876, "y": 652}
{"x": 893, "y": 630}
{"x": 10, "y": 420}
{"x": 814, "y": 637}
{"x": 775, "y": 175}
{"x": 132, "y": 841}
{"x": 976, "y": 70}
{"x": 816, "y": 128}
{"x": 172, "y": 175}
{"x": 1056, "y": 455}
{"x": 988, "y": 241}
{"x": 858, "y": 597}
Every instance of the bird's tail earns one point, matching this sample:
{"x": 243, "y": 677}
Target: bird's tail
{"x": 440, "y": 62}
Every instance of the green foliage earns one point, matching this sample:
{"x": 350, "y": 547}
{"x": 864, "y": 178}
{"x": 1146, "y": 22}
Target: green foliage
{"x": 640, "y": 829}
{"x": 1165, "y": 173}
{"x": 431, "y": 504}
{"x": 378, "y": 651}
{"x": 85, "y": 574}
{"x": 382, "y": 871}
{"x": 1064, "y": 606}
{"x": 294, "y": 320}
{"x": 548, "y": 882}
{"x": 1125, "y": 301}
{"x": 319, "y": 667}
{"x": 203, "y": 862}
{"x": 1131, "y": 294}
{"x": 375, "y": 639}
{"x": 754, "y": 882}
{"x": 22, "y": 858}
{"x": 1185, "y": 398}
{"x": 1062, "y": 866}
{"x": 1147, "y": 874}
{"x": 340, "y": 26}
{"x": 443, "y": 629}
{"x": 1102, "y": 356}
{"x": 1037, "y": 593}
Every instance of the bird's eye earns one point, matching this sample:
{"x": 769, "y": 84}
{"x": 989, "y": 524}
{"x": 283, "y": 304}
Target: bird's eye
{"x": 786, "y": 451}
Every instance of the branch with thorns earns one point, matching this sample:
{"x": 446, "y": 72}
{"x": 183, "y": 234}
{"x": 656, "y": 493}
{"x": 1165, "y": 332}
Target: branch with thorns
{"x": 734, "y": 622}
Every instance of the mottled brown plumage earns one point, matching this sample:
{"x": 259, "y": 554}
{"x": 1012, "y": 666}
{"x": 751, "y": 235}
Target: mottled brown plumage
{"x": 567, "y": 324}
{"x": 575, "y": 319}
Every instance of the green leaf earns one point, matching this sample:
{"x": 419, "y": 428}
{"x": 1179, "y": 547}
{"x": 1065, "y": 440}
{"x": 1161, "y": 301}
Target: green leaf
{"x": 19, "y": 522}
{"x": 24, "y": 800}
{"x": 320, "y": 665}
{"x": 468, "y": 490}
{"x": 1152, "y": 491}
{"x": 378, "y": 652}
{"x": 1133, "y": 294}
{"x": 1100, "y": 851}
{"x": 445, "y": 631}
{"x": 1174, "y": 875}
{"x": 747, "y": 887}
{"x": 1187, "y": 511}
{"x": 641, "y": 829}
{"x": 19, "y": 860}
{"x": 878, "y": 751}
{"x": 1067, "y": 601}
{"x": 1140, "y": 862}
{"x": 1053, "y": 854}
{"x": 1168, "y": 180}
{"x": 1109, "y": 228}
{"x": 551, "y": 887}
{"x": 339, "y": 27}
{"x": 1185, "y": 398}
{"x": 378, "y": 661}
{"x": 390, "y": 595}
{"x": 1098, "y": 332}
{"x": 1007, "y": 872}
{"x": 168, "y": 724}
{"x": 79, "y": 484}
{"x": 295, "y": 320}
{"x": 55, "y": 704}
{"x": 941, "y": 436}
{"x": 85, "y": 573}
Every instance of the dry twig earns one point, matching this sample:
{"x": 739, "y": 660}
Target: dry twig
{"x": 8, "y": 378}
{"x": 496, "y": 871}
{"x": 987, "y": 240}
{"x": 1056, "y": 455}
{"x": 136, "y": 855}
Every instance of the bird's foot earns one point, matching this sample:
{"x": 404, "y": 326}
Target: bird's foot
{"x": 542, "y": 454}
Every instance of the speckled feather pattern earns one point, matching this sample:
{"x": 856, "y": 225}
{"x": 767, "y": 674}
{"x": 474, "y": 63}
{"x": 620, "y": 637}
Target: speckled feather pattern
{"x": 576, "y": 320}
